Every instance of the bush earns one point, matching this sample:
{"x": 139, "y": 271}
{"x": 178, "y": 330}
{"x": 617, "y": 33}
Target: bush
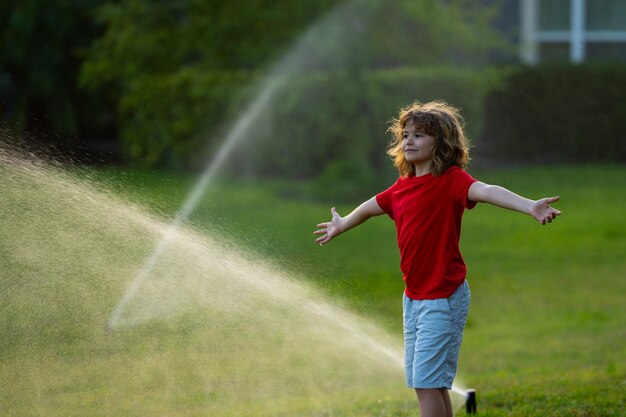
{"x": 559, "y": 113}
{"x": 158, "y": 111}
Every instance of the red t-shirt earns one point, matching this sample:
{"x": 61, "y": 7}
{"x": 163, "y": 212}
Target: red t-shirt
{"x": 427, "y": 211}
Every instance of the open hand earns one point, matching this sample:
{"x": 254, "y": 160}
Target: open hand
{"x": 542, "y": 211}
{"x": 328, "y": 230}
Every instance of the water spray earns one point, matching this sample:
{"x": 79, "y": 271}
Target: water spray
{"x": 293, "y": 63}
{"x": 470, "y": 401}
{"x": 285, "y": 69}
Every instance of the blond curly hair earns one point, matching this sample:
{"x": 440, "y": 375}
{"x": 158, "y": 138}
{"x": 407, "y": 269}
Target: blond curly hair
{"x": 437, "y": 119}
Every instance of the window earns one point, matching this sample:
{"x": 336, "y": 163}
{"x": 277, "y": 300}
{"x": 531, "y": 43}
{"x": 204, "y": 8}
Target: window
{"x": 606, "y": 15}
{"x": 554, "y": 15}
{"x": 573, "y": 30}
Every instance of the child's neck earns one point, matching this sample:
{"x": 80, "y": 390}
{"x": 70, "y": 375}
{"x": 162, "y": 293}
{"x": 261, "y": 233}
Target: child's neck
{"x": 422, "y": 168}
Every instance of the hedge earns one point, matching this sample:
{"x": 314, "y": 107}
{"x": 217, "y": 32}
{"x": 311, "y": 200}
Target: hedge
{"x": 558, "y": 113}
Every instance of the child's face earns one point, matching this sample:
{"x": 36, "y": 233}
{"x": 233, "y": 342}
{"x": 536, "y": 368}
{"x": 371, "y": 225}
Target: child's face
{"x": 417, "y": 145}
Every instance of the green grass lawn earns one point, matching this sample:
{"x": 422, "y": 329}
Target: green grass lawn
{"x": 546, "y": 333}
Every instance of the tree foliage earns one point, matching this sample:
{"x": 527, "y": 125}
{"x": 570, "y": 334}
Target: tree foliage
{"x": 181, "y": 66}
{"x": 176, "y": 69}
{"x": 177, "y": 64}
{"x": 42, "y": 43}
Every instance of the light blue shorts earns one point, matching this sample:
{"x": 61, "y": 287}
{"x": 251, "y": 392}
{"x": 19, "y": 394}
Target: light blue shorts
{"x": 433, "y": 330}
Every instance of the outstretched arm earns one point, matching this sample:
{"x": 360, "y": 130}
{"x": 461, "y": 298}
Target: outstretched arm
{"x": 339, "y": 224}
{"x": 501, "y": 197}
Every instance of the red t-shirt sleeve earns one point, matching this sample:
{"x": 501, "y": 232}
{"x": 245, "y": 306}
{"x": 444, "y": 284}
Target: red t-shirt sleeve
{"x": 460, "y": 182}
{"x": 384, "y": 200}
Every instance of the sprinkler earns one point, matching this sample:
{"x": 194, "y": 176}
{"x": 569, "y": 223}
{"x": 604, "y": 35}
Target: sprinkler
{"x": 470, "y": 401}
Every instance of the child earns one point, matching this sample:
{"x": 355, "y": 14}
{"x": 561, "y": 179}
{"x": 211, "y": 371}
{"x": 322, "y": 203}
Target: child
{"x": 431, "y": 152}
